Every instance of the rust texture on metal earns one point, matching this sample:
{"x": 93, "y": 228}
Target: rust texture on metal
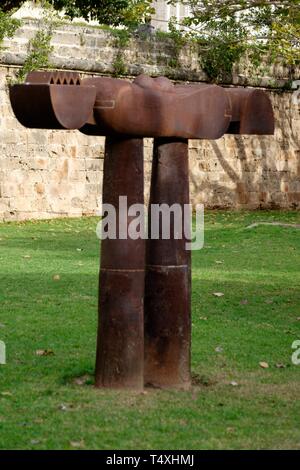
{"x": 126, "y": 112}
{"x": 168, "y": 275}
{"x": 52, "y": 101}
{"x": 120, "y": 346}
{"x": 147, "y": 107}
{"x": 251, "y": 112}
{"x": 156, "y": 108}
{"x": 53, "y": 78}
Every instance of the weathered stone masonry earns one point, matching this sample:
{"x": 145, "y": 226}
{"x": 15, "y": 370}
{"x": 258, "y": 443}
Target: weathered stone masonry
{"x": 47, "y": 174}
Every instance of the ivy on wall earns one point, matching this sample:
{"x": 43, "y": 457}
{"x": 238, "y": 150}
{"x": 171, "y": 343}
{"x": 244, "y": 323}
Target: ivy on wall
{"x": 8, "y": 26}
{"x": 128, "y": 13}
{"x": 39, "y": 47}
{"x": 223, "y": 33}
{"x": 122, "y": 38}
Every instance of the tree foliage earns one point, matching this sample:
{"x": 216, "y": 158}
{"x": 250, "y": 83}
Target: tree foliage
{"x": 8, "y": 25}
{"x": 225, "y": 30}
{"x": 8, "y": 5}
{"x": 110, "y": 12}
{"x": 229, "y": 29}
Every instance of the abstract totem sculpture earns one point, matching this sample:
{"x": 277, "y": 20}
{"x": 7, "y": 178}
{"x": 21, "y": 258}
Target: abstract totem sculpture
{"x": 144, "y": 332}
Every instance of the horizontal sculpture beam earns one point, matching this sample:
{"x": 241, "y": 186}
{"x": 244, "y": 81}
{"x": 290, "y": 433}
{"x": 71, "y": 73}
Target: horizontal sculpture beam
{"x": 52, "y": 101}
{"x": 148, "y": 107}
{"x": 156, "y": 108}
{"x": 251, "y": 112}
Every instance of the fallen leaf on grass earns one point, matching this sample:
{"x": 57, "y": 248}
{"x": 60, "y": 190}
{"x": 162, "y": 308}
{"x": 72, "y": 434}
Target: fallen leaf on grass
{"x": 79, "y": 249}
{"x": 44, "y": 352}
{"x": 78, "y": 445}
{"x": 234, "y": 384}
{"x": 56, "y": 277}
{"x": 219, "y": 349}
{"x": 219, "y": 262}
{"x": 218, "y": 294}
{"x": 82, "y": 380}
{"x": 26, "y": 256}
{"x": 34, "y": 442}
{"x": 280, "y": 366}
{"x": 230, "y": 429}
{"x": 264, "y": 365}
{"x": 6, "y": 394}
{"x": 203, "y": 318}
{"x": 63, "y": 407}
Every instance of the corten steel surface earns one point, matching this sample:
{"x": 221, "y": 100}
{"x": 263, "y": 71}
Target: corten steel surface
{"x": 251, "y": 112}
{"x": 52, "y": 101}
{"x": 146, "y": 108}
{"x": 120, "y": 346}
{"x": 156, "y": 108}
{"x": 126, "y": 112}
{"x": 168, "y": 279}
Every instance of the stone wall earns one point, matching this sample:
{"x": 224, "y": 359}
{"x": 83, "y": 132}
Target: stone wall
{"x": 251, "y": 171}
{"x": 46, "y": 174}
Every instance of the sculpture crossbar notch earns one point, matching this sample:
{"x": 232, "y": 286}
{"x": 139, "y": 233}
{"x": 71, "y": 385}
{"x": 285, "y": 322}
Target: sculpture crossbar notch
{"x": 144, "y": 334}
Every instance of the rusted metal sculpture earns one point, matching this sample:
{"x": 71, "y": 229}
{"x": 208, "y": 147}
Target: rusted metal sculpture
{"x": 168, "y": 275}
{"x": 120, "y": 347}
{"x": 144, "y": 332}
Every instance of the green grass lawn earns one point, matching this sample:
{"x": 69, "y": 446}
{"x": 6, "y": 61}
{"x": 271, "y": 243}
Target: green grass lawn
{"x": 234, "y": 402}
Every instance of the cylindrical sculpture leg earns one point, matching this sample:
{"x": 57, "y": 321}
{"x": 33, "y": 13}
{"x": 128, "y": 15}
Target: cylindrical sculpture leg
{"x": 168, "y": 274}
{"x": 120, "y": 345}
